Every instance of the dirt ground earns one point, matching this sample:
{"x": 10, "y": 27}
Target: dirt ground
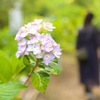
{"x": 67, "y": 86}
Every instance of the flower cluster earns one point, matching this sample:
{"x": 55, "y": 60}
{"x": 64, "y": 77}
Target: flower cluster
{"x": 31, "y": 38}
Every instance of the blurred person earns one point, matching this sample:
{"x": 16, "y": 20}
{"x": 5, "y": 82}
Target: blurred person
{"x": 87, "y": 45}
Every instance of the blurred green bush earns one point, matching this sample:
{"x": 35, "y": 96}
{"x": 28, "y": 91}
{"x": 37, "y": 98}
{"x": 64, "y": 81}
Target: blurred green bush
{"x": 7, "y": 42}
{"x": 66, "y": 15}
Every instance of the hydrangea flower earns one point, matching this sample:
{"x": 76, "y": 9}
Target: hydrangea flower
{"x": 47, "y": 47}
{"x": 37, "y": 49}
{"x": 31, "y": 39}
{"x": 21, "y": 51}
{"x": 30, "y": 48}
{"x": 22, "y": 42}
{"x": 48, "y": 26}
{"x": 47, "y": 57}
{"x": 18, "y": 36}
{"x": 57, "y": 51}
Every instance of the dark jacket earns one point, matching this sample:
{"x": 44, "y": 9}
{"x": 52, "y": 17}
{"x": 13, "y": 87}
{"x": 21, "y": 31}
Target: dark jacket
{"x": 89, "y": 70}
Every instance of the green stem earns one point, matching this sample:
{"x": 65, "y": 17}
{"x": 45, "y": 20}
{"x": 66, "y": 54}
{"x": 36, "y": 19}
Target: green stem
{"x": 29, "y": 74}
{"x": 28, "y": 77}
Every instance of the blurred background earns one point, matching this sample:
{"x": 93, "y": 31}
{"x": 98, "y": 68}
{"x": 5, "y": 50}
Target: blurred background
{"x": 67, "y": 16}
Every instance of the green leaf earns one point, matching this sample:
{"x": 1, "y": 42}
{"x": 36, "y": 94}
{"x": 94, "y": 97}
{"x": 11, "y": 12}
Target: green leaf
{"x": 5, "y": 68}
{"x": 52, "y": 68}
{"x": 16, "y": 99}
{"x": 17, "y": 64}
{"x": 10, "y": 90}
{"x": 40, "y": 79}
{"x": 42, "y": 65}
{"x": 50, "y": 71}
{"x": 26, "y": 62}
{"x": 55, "y": 67}
{"x": 55, "y": 60}
{"x": 32, "y": 56}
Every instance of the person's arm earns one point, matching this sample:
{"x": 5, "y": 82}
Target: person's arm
{"x": 97, "y": 42}
{"x": 96, "y": 38}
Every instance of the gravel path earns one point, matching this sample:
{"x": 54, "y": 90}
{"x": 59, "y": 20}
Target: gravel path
{"x": 66, "y": 86}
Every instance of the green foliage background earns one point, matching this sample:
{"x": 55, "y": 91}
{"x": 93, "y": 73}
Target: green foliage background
{"x": 66, "y": 15}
